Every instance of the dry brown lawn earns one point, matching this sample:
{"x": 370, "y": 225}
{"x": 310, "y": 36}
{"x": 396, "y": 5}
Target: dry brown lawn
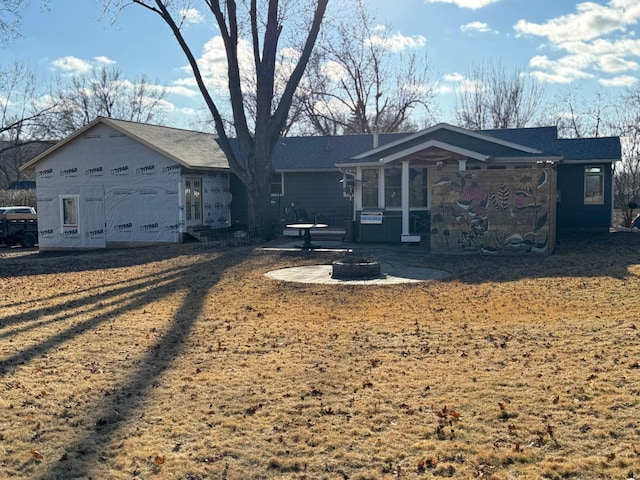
{"x": 186, "y": 362}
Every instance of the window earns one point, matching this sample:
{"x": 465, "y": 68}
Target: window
{"x": 369, "y": 187}
{"x": 393, "y": 187}
{"x": 69, "y": 209}
{"x": 594, "y": 185}
{"x": 276, "y": 181}
{"x": 418, "y": 193}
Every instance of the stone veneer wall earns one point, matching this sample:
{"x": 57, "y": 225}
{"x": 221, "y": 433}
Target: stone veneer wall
{"x": 493, "y": 211}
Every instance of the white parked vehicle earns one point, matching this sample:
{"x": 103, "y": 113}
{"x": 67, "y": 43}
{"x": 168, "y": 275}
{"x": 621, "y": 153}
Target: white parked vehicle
{"x": 19, "y": 209}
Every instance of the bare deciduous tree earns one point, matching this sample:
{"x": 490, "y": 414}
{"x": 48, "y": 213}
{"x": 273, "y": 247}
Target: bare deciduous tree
{"x": 104, "y": 92}
{"x": 627, "y": 173}
{"x": 358, "y": 82}
{"x": 24, "y": 120}
{"x": 579, "y": 117}
{"x": 265, "y": 23}
{"x": 494, "y": 97}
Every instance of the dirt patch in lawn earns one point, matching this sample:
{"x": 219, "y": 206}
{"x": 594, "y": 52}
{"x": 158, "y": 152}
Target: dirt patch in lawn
{"x": 187, "y": 362}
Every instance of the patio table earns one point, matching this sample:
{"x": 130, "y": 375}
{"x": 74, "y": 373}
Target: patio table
{"x": 306, "y": 227}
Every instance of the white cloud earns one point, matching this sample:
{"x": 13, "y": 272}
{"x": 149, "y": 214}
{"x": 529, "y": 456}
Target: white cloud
{"x": 291, "y": 53}
{"x": 72, "y": 65}
{"x": 333, "y": 71}
{"x": 612, "y": 64}
{"x": 565, "y": 70}
{"x": 213, "y": 64}
{"x": 182, "y": 91}
{"x": 622, "y": 81}
{"x": 444, "y": 89}
{"x": 472, "y": 4}
{"x": 475, "y": 27}
{"x": 593, "y": 39}
{"x": 104, "y": 60}
{"x": 396, "y": 42}
{"x": 457, "y": 82}
{"x": 591, "y": 21}
{"x": 191, "y": 16}
{"x": 453, "y": 77}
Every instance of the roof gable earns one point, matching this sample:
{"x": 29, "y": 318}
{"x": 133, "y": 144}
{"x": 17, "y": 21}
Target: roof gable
{"x": 467, "y": 143}
{"x": 188, "y": 148}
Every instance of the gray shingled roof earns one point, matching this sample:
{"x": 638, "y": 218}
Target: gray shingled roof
{"x": 189, "y": 148}
{"x": 323, "y": 153}
{"x": 571, "y": 149}
{"x": 186, "y": 147}
{"x": 543, "y": 139}
{"x": 201, "y": 150}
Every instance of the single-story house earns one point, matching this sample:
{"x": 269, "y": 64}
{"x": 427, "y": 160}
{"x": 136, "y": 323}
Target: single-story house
{"x": 453, "y": 190}
{"x": 119, "y": 183}
{"x": 482, "y": 191}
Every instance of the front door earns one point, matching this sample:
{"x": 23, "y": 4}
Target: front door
{"x": 193, "y": 201}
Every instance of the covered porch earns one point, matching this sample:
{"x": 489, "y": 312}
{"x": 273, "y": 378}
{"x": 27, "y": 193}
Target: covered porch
{"x": 454, "y": 191}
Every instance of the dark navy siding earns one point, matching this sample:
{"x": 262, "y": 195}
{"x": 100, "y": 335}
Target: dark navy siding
{"x": 239, "y": 204}
{"x": 317, "y": 193}
{"x": 573, "y": 215}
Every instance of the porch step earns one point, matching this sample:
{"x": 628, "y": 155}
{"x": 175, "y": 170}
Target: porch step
{"x": 204, "y": 233}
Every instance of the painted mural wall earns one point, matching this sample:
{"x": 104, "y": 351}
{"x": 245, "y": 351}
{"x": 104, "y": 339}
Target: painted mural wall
{"x": 493, "y": 211}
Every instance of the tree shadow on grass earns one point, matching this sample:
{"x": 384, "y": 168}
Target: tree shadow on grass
{"x": 19, "y": 262}
{"x": 193, "y": 282}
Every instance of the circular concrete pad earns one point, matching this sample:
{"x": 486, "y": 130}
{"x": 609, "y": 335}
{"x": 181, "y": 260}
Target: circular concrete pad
{"x": 322, "y": 274}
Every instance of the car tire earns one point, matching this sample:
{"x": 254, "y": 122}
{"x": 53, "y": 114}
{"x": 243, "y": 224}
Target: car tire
{"x": 28, "y": 240}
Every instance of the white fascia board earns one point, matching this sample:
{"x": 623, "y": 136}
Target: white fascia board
{"x": 594, "y": 160}
{"x": 437, "y": 144}
{"x": 402, "y": 140}
{"x": 550, "y": 159}
{"x": 307, "y": 170}
{"x": 446, "y": 126}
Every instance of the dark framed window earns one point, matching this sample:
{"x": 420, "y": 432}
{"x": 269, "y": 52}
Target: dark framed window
{"x": 594, "y": 185}
{"x": 276, "y": 182}
{"x": 393, "y": 187}
{"x": 418, "y": 188}
{"x": 370, "y": 187}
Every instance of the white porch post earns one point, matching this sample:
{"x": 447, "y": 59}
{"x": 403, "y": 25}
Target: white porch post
{"x": 406, "y": 235}
{"x": 405, "y": 198}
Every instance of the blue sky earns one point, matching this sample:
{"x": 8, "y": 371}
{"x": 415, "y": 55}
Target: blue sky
{"x": 561, "y": 43}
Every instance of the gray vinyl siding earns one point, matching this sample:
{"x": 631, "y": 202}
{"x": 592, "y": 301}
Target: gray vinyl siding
{"x": 573, "y": 214}
{"x": 318, "y": 193}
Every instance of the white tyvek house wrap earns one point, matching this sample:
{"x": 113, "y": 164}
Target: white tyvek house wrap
{"x": 216, "y": 200}
{"x": 127, "y": 193}
{"x": 91, "y": 232}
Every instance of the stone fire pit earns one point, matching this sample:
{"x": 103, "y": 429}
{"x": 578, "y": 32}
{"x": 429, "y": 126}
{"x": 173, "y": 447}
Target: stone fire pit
{"x": 354, "y": 268}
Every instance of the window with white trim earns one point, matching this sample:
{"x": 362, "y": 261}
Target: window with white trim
{"x": 69, "y": 210}
{"x": 276, "y": 182}
{"x": 370, "y": 187}
{"x": 593, "y": 185}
